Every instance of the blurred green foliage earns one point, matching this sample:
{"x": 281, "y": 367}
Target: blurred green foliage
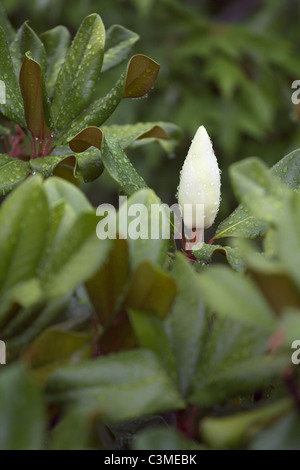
{"x": 227, "y": 65}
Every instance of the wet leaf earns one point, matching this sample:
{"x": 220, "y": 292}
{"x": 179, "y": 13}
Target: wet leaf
{"x": 13, "y": 108}
{"x": 123, "y": 386}
{"x": 141, "y": 75}
{"x": 35, "y": 102}
{"x": 56, "y": 42}
{"x": 80, "y": 71}
{"x": 119, "y": 42}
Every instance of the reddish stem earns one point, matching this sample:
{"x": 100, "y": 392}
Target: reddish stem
{"x": 187, "y": 421}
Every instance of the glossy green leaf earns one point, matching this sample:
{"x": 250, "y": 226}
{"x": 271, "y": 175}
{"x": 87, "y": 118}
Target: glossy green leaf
{"x": 13, "y": 108}
{"x": 23, "y": 233}
{"x": 58, "y": 190}
{"x": 80, "y": 71}
{"x": 230, "y": 431}
{"x": 75, "y": 258}
{"x": 6, "y": 25}
{"x": 96, "y": 113}
{"x": 241, "y": 223}
{"x": 56, "y": 42}
{"x": 219, "y": 286}
{"x": 46, "y": 165}
{"x": 120, "y": 168}
{"x": 27, "y": 41}
{"x": 123, "y": 386}
{"x": 261, "y": 192}
{"x": 129, "y": 133}
{"x": 288, "y": 169}
{"x": 99, "y": 110}
{"x": 22, "y": 412}
{"x": 204, "y": 253}
{"x": 187, "y": 324}
{"x": 118, "y": 44}
{"x": 87, "y": 165}
{"x": 169, "y": 144}
{"x": 12, "y": 172}
{"x": 234, "y": 363}
{"x": 31, "y": 82}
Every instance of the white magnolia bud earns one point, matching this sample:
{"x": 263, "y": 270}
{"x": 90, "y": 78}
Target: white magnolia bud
{"x": 200, "y": 186}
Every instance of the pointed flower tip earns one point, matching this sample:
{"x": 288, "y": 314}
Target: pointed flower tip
{"x": 199, "y": 188}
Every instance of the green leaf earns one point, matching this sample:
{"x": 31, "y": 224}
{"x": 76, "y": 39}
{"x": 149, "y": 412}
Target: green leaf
{"x": 6, "y": 25}
{"x": 55, "y": 348}
{"x": 123, "y": 386}
{"x": 24, "y": 221}
{"x": 75, "y": 258}
{"x": 289, "y": 238}
{"x": 150, "y": 289}
{"x": 56, "y": 42}
{"x": 241, "y": 223}
{"x": 174, "y": 136}
{"x": 281, "y": 435}
{"x": 58, "y": 190}
{"x": 26, "y": 326}
{"x": 151, "y": 334}
{"x": 129, "y": 133}
{"x": 27, "y": 42}
{"x": 261, "y": 192}
{"x": 204, "y": 252}
{"x": 163, "y": 439}
{"x": 187, "y": 324}
{"x": 81, "y": 69}
{"x": 13, "y": 109}
{"x": 87, "y": 165}
{"x": 35, "y": 101}
{"x": 288, "y": 169}
{"x": 21, "y": 411}
{"x": 219, "y": 286}
{"x": 72, "y": 432}
{"x": 12, "y": 172}
{"x": 106, "y": 287}
{"x": 99, "y": 110}
{"x": 119, "y": 42}
{"x": 234, "y": 363}
{"x": 120, "y": 168}
{"x": 145, "y": 221}
{"x": 95, "y": 114}
{"x": 230, "y": 431}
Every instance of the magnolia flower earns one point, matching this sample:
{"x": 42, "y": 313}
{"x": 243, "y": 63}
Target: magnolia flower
{"x": 199, "y": 189}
